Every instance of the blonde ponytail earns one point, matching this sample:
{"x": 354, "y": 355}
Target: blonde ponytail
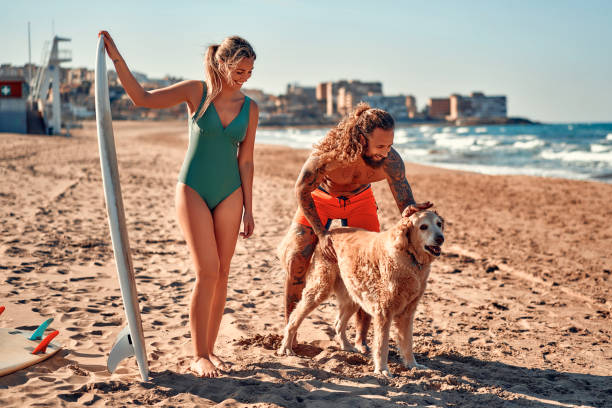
{"x": 218, "y": 63}
{"x": 213, "y": 78}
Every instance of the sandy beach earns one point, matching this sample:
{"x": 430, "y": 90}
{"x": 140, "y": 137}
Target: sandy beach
{"x": 516, "y": 313}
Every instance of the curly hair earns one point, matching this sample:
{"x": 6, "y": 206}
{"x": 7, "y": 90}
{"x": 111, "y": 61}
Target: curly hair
{"x": 343, "y": 144}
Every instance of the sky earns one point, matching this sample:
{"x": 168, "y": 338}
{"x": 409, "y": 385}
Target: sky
{"x": 552, "y": 59}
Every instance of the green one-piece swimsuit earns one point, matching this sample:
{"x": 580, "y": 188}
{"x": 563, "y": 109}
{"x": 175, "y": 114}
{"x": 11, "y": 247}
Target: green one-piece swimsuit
{"x": 211, "y": 163}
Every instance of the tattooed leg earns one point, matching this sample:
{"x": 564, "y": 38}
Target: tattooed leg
{"x": 294, "y": 285}
{"x": 298, "y": 262}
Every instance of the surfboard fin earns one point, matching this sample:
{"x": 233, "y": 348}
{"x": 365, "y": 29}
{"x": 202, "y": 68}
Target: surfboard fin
{"x": 121, "y": 350}
{"x": 37, "y": 335}
{"x": 42, "y": 346}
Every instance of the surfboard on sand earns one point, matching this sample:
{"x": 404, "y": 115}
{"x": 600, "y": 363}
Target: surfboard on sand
{"x": 20, "y": 349}
{"x": 130, "y": 341}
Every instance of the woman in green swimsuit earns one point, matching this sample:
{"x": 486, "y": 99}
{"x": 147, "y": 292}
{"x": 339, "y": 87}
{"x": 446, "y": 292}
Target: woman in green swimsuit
{"x": 216, "y": 180}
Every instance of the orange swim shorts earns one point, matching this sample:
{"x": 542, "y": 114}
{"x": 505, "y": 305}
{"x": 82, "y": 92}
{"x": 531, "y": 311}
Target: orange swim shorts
{"x": 358, "y": 211}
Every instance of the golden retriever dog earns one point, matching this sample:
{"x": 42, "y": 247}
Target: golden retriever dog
{"x": 385, "y": 273}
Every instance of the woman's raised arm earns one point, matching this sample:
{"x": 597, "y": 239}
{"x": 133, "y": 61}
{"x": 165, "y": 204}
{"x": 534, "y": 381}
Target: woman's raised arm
{"x": 185, "y": 91}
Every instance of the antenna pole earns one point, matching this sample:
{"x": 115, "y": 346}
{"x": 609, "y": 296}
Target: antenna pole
{"x": 29, "y": 56}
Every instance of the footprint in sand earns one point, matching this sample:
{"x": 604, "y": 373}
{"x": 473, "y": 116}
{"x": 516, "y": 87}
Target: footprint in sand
{"x": 105, "y": 324}
{"x": 78, "y": 336}
{"x": 82, "y": 278}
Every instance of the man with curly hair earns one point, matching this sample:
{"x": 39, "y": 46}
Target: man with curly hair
{"x": 335, "y": 184}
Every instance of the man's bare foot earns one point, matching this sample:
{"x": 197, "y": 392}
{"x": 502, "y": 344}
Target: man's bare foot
{"x": 217, "y": 362}
{"x": 203, "y": 367}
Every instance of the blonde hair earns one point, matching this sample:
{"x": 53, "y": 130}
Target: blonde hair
{"x": 218, "y": 63}
{"x": 342, "y": 144}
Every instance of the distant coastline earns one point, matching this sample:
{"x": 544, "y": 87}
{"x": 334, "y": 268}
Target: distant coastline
{"x": 403, "y": 124}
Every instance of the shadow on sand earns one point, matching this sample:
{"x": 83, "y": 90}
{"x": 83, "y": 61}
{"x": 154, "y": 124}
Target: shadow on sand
{"x": 452, "y": 380}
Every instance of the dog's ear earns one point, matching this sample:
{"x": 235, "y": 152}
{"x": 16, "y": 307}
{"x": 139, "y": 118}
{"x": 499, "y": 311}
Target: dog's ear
{"x": 401, "y": 235}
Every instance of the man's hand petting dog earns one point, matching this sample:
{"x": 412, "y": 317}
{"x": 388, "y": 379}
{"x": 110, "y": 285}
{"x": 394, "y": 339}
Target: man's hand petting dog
{"x": 416, "y": 207}
{"x": 327, "y": 246}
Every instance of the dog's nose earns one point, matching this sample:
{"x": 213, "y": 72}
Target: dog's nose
{"x": 439, "y": 239}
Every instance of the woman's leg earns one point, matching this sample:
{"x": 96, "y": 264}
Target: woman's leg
{"x": 227, "y": 217}
{"x": 196, "y": 222}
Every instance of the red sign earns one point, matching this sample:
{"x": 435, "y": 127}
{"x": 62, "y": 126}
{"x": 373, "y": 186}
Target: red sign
{"x": 10, "y": 89}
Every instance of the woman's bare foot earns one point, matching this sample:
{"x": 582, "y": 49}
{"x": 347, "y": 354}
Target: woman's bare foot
{"x": 203, "y": 367}
{"x": 220, "y": 364}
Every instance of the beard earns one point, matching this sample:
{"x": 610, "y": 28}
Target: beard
{"x": 373, "y": 163}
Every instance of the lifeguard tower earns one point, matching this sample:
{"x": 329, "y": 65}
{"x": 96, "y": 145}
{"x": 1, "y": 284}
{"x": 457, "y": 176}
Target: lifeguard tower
{"x": 44, "y": 102}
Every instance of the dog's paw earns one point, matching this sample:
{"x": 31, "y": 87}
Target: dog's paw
{"x": 385, "y": 373}
{"x": 349, "y": 348}
{"x": 362, "y": 348}
{"x": 285, "y": 351}
{"x": 416, "y": 365}
{"x": 345, "y": 345}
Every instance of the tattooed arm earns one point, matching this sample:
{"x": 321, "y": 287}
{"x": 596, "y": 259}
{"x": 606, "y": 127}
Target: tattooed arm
{"x": 309, "y": 179}
{"x": 396, "y": 177}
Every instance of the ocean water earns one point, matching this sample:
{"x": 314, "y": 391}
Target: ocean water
{"x": 575, "y": 151}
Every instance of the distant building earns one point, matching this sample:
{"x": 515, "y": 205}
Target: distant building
{"x": 75, "y": 76}
{"x": 395, "y": 105}
{"x": 477, "y": 105}
{"x": 306, "y": 93}
{"x": 299, "y": 100}
{"x": 267, "y": 103}
{"x": 8, "y": 70}
{"x": 331, "y": 88}
{"x": 321, "y": 93}
{"x": 345, "y": 99}
{"x": 347, "y": 94}
{"x": 298, "y": 105}
{"x": 13, "y": 105}
{"x": 411, "y": 107}
{"x": 438, "y": 108}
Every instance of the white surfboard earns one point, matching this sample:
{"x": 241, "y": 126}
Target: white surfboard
{"x": 20, "y": 349}
{"x": 16, "y": 350}
{"x": 130, "y": 341}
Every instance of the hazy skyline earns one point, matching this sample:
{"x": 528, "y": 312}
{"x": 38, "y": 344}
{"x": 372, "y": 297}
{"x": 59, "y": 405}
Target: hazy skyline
{"x": 551, "y": 58}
